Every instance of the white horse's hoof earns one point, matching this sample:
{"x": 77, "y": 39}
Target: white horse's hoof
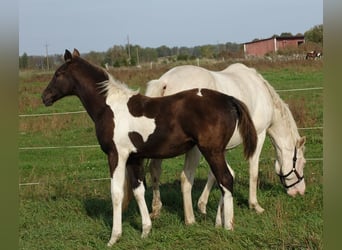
{"x": 258, "y": 209}
{"x": 189, "y": 222}
{"x": 113, "y": 240}
{"x": 202, "y": 208}
{"x": 218, "y": 222}
{"x": 146, "y": 231}
{"x": 230, "y": 225}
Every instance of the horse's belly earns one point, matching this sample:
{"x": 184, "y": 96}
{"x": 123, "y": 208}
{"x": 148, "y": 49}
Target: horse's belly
{"x": 260, "y": 126}
{"x": 235, "y": 140}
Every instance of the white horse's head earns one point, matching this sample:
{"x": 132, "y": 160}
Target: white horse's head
{"x": 290, "y": 167}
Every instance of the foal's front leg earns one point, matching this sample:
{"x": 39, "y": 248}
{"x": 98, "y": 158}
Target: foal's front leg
{"x": 117, "y": 193}
{"x": 155, "y": 171}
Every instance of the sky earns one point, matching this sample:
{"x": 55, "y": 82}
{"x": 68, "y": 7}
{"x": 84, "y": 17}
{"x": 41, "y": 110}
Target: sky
{"x": 90, "y": 25}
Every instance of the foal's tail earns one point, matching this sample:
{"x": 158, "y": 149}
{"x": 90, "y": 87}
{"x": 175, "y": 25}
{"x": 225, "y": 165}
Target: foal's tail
{"x": 246, "y": 128}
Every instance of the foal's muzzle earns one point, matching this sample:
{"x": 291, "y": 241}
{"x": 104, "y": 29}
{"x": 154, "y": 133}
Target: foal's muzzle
{"x": 47, "y": 99}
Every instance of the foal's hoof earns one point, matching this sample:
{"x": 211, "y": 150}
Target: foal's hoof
{"x": 156, "y": 210}
{"x": 155, "y": 215}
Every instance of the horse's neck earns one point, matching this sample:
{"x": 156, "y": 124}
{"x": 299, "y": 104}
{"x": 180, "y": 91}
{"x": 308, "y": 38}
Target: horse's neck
{"x": 90, "y": 95}
{"x": 98, "y": 96}
{"x": 283, "y": 131}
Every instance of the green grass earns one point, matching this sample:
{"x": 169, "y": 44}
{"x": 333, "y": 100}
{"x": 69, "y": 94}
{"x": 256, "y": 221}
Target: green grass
{"x": 68, "y": 209}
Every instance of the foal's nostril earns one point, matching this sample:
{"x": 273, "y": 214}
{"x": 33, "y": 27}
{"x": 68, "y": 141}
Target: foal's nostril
{"x": 47, "y": 100}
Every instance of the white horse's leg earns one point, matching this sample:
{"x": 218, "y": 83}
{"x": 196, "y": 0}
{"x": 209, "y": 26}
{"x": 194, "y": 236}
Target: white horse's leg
{"x": 253, "y": 174}
{"x": 155, "y": 171}
{"x": 219, "y": 218}
{"x": 203, "y": 199}
{"x": 117, "y": 193}
{"x": 139, "y": 194}
{"x": 187, "y": 179}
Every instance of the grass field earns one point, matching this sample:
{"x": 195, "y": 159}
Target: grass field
{"x": 67, "y": 203}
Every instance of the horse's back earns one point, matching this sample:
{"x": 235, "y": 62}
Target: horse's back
{"x": 180, "y": 78}
{"x": 244, "y": 83}
{"x": 237, "y": 80}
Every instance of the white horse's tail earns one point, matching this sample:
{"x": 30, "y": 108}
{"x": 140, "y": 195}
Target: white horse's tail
{"x": 155, "y": 88}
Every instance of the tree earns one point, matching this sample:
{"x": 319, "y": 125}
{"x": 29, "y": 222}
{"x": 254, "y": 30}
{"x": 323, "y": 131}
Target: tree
{"x": 207, "y": 51}
{"x": 23, "y": 61}
{"x": 315, "y": 34}
{"x": 286, "y": 34}
{"x": 163, "y": 51}
{"x": 95, "y": 57}
{"x": 116, "y": 56}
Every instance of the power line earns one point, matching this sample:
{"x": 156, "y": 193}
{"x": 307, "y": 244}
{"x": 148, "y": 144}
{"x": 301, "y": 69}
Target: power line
{"x": 82, "y": 111}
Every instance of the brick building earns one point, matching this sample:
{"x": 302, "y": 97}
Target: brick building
{"x": 273, "y": 44}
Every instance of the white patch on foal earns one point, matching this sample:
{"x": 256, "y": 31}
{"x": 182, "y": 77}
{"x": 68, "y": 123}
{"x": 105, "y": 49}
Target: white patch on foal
{"x": 117, "y": 98}
{"x": 227, "y": 215}
{"x": 139, "y": 194}
{"x": 199, "y": 93}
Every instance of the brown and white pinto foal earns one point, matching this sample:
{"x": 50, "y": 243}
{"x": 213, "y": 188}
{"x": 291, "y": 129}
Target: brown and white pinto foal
{"x": 131, "y": 127}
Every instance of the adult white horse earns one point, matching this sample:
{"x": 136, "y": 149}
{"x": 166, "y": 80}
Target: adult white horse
{"x": 269, "y": 113}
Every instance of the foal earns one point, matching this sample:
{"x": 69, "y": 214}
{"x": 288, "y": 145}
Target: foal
{"x": 131, "y": 127}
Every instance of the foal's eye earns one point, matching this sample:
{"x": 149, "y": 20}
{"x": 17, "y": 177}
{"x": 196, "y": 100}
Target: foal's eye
{"x": 59, "y": 73}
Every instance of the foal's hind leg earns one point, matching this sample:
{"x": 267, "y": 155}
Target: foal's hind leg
{"x": 155, "y": 170}
{"x": 224, "y": 177}
{"x": 136, "y": 174}
{"x": 223, "y": 213}
{"x": 192, "y": 158}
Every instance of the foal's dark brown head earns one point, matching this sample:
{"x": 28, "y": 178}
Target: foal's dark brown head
{"x": 73, "y": 71}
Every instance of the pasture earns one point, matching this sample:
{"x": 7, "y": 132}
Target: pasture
{"x": 64, "y": 187}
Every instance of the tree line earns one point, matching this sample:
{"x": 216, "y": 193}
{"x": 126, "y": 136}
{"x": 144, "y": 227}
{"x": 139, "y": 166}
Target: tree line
{"x": 134, "y": 55}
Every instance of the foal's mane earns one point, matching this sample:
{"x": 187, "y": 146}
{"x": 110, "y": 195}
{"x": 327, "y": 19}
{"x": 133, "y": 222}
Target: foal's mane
{"x": 110, "y": 86}
{"x": 113, "y": 86}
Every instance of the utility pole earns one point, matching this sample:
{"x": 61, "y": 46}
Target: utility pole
{"x": 47, "y": 56}
{"x": 129, "y": 50}
{"x": 138, "y": 64}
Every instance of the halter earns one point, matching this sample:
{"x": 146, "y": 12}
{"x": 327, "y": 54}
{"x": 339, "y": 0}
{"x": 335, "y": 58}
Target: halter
{"x": 293, "y": 170}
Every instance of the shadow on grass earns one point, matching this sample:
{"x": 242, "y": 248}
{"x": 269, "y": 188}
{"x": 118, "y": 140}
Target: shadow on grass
{"x": 101, "y": 208}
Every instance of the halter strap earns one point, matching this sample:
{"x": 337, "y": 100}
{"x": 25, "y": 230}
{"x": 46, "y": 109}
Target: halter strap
{"x": 293, "y": 170}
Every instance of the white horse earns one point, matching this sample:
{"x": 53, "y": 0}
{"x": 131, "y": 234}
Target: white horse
{"x": 269, "y": 113}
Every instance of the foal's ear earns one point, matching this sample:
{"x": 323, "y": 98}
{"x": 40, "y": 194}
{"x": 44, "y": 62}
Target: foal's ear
{"x": 67, "y": 56}
{"x": 76, "y": 53}
{"x": 300, "y": 143}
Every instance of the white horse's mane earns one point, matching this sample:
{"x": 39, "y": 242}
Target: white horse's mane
{"x": 282, "y": 107}
{"x": 115, "y": 87}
